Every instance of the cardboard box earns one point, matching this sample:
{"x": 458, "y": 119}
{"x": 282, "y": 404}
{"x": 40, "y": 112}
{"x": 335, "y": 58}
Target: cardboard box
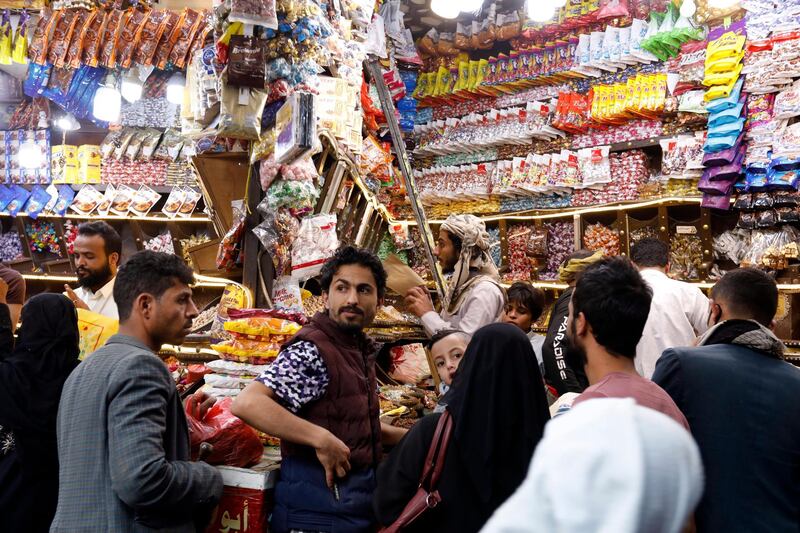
{"x": 64, "y": 163}
{"x": 89, "y": 163}
{"x": 244, "y": 506}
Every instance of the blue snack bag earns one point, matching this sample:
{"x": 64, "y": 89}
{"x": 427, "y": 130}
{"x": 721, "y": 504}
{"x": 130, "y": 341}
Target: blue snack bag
{"x": 65, "y": 197}
{"x": 36, "y": 202}
{"x": 6, "y": 195}
{"x": 21, "y": 195}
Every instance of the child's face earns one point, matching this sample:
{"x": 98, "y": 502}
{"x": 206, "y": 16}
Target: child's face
{"x": 447, "y": 355}
{"x": 519, "y": 315}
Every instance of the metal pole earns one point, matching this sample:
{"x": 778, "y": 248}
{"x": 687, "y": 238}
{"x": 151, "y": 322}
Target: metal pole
{"x": 376, "y": 72}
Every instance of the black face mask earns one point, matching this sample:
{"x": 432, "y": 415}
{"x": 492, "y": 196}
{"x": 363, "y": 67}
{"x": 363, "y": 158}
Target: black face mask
{"x": 96, "y": 278}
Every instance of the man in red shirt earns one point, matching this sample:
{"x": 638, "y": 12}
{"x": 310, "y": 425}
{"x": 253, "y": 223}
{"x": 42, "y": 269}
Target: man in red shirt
{"x": 607, "y": 314}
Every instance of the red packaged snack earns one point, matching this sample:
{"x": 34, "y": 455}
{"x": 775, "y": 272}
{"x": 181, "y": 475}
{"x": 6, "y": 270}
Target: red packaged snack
{"x": 171, "y": 31}
{"x": 108, "y": 51}
{"x": 129, "y": 37}
{"x": 82, "y": 21}
{"x": 233, "y": 442}
{"x": 151, "y": 33}
{"x": 59, "y": 41}
{"x": 189, "y": 28}
{"x": 37, "y": 51}
{"x": 91, "y": 39}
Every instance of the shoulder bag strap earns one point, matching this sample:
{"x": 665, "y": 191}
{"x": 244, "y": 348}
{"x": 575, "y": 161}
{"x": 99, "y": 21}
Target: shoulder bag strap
{"x": 436, "y": 452}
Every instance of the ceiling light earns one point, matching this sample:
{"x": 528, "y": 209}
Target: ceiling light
{"x": 67, "y": 122}
{"x": 132, "y": 86}
{"x": 30, "y": 155}
{"x": 446, "y": 8}
{"x": 107, "y": 101}
{"x": 175, "y": 88}
{"x": 540, "y": 13}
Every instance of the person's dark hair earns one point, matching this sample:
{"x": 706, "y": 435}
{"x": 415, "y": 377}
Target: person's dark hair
{"x": 524, "y": 294}
{"x": 112, "y": 242}
{"x": 650, "y": 252}
{"x": 148, "y": 272}
{"x": 748, "y": 293}
{"x": 443, "y": 334}
{"x": 615, "y": 300}
{"x": 350, "y": 255}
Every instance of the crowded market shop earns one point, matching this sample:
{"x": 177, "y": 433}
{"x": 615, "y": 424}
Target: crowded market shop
{"x": 255, "y": 137}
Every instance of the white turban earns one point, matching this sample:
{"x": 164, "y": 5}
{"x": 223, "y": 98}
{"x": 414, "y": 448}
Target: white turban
{"x": 607, "y": 466}
{"x": 472, "y": 232}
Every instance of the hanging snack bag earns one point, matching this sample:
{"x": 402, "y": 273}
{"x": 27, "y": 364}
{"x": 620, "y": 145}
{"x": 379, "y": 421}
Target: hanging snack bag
{"x": 240, "y": 112}
{"x": 256, "y": 12}
{"x": 129, "y": 37}
{"x": 59, "y": 40}
{"x": 110, "y": 38}
{"x": 83, "y": 19}
{"x": 151, "y": 32}
{"x": 135, "y": 144}
{"x": 190, "y": 26}
{"x": 40, "y": 41}
{"x": 246, "y": 67}
{"x": 172, "y": 28}
{"x": 316, "y": 242}
{"x": 150, "y": 142}
{"x": 92, "y": 35}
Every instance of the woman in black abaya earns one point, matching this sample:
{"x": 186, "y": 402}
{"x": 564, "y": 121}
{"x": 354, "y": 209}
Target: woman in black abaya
{"x": 499, "y": 410}
{"x": 31, "y": 379}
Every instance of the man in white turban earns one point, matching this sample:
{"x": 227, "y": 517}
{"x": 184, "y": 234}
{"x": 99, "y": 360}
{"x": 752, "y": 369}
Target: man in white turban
{"x": 474, "y": 297}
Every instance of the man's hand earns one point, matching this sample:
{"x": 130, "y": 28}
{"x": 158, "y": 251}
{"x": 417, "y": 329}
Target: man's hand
{"x": 79, "y": 304}
{"x": 3, "y": 291}
{"x": 334, "y": 456}
{"x": 199, "y": 403}
{"x": 418, "y": 301}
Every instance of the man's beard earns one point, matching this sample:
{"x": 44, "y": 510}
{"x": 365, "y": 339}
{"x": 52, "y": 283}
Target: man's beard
{"x": 348, "y": 326}
{"x": 95, "y": 278}
{"x": 575, "y": 354}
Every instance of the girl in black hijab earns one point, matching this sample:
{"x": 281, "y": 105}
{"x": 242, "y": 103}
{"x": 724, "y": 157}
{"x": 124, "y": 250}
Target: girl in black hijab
{"x": 31, "y": 379}
{"x": 499, "y": 410}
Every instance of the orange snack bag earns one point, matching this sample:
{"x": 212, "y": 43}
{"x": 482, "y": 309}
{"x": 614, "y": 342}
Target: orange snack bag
{"x": 190, "y": 26}
{"x": 108, "y": 51}
{"x": 168, "y": 38}
{"x": 37, "y": 51}
{"x": 129, "y": 37}
{"x": 151, "y": 33}
{"x": 82, "y": 21}
{"x": 91, "y": 40}
{"x": 59, "y": 41}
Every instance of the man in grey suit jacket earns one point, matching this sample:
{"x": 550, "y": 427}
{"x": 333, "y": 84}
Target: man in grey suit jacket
{"x": 123, "y": 442}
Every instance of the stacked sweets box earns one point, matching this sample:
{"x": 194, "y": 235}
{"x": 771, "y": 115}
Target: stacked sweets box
{"x": 246, "y": 500}
{"x": 64, "y": 167}
{"x": 89, "y": 163}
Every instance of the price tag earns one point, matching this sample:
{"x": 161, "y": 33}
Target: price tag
{"x": 686, "y": 230}
{"x": 244, "y": 96}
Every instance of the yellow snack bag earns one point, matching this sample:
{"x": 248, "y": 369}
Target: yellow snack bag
{"x": 95, "y": 329}
{"x": 723, "y": 78}
{"x": 463, "y": 75}
{"x": 728, "y": 45}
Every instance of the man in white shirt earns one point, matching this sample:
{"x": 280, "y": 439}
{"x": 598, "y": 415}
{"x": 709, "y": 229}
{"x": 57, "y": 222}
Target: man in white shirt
{"x": 474, "y": 297}
{"x": 97, "y": 250}
{"x": 678, "y": 313}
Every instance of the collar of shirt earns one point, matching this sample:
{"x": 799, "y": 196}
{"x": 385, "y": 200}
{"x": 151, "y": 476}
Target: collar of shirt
{"x": 130, "y": 341}
{"x": 106, "y": 291}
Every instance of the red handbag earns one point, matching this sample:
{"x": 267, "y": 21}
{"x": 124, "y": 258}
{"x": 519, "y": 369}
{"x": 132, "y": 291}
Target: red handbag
{"x": 427, "y": 495}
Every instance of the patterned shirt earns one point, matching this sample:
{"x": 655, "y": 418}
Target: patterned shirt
{"x": 6, "y": 441}
{"x": 298, "y": 376}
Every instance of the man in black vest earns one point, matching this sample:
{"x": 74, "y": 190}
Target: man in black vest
{"x": 320, "y": 398}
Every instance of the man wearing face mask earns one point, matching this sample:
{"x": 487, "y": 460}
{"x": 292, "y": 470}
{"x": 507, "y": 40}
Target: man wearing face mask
{"x": 474, "y": 297}
{"x": 320, "y": 398}
{"x": 741, "y": 399}
{"x": 97, "y": 251}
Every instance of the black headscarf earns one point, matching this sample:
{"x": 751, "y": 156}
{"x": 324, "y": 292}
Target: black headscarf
{"x": 499, "y": 409}
{"x": 31, "y": 378}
